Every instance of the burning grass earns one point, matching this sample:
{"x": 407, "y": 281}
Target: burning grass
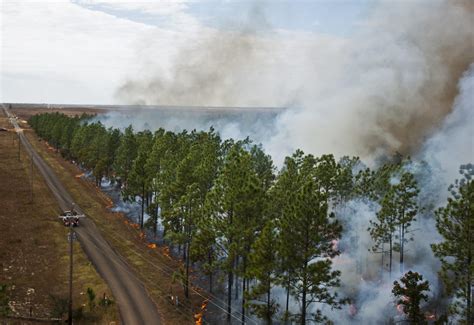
{"x": 198, "y": 317}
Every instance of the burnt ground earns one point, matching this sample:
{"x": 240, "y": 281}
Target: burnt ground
{"x": 33, "y": 245}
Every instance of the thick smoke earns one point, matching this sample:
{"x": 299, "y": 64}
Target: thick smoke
{"x": 453, "y": 144}
{"x": 397, "y": 85}
{"x": 383, "y": 90}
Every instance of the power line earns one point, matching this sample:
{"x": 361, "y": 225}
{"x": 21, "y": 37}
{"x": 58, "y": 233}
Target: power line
{"x": 192, "y": 289}
{"x": 134, "y": 275}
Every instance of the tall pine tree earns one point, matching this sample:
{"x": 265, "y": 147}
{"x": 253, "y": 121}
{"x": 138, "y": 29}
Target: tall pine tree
{"x": 455, "y": 222}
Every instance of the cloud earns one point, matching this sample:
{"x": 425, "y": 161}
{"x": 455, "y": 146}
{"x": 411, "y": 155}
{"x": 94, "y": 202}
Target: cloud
{"x": 65, "y": 52}
{"x": 170, "y": 7}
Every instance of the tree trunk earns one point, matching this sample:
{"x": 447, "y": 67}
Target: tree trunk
{"x": 230, "y": 278}
{"x": 469, "y": 291}
{"x": 186, "y": 290}
{"x": 229, "y": 295}
{"x": 383, "y": 257}
{"x": 305, "y": 280}
{"x": 236, "y": 265}
{"x": 243, "y": 301}
{"x": 209, "y": 256}
{"x": 268, "y": 313}
{"x": 287, "y": 299}
{"x": 244, "y": 265}
{"x": 402, "y": 243}
{"x": 143, "y": 206}
{"x": 390, "y": 257}
{"x": 303, "y": 303}
{"x": 155, "y": 221}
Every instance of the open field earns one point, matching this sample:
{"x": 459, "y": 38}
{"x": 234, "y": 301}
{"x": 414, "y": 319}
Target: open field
{"x": 153, "y": 267}
{"x": 33, "y": 244}
{"x": 25, "y": 111}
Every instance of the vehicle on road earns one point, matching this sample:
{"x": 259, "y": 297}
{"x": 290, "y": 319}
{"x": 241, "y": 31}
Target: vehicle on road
{"x": 70, "y": 218}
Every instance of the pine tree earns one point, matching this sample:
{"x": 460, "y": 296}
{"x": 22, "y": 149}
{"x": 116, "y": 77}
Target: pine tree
{"x": 406, "y": 195}
{"x": 397, "y": 212}
{"x": 315, "y": 229}
{"x": 344, "y": 185}
{"x": 263, "y": 267}
{"x": 112, "y": 145}
{"x": 138, "y": 180}
{"x": 307, "y": 227}
{"x": 288, "y": 182}
{"x": 161, "y": 143}
{"x": 409, "y": 294}
{"x": 455, "y": 222}
{"x": 234, "y": 205}
{"x": 383, "y": 228}
{"x": 126, "y": 153}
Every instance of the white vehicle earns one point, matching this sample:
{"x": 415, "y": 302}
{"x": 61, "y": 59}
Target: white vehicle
{"x": 70, "y": 218}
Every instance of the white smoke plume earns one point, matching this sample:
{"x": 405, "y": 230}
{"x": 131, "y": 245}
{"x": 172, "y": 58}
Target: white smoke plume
{"x": 402, "y": 84}
{"x": 383, "y": 90}
{"x": 453, "y": 143}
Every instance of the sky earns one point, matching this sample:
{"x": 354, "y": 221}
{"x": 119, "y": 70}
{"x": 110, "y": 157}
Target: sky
{"x": 82, "y": 51}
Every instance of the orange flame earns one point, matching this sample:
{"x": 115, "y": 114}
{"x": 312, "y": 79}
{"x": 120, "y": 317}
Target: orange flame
{"x": 352, "y": 310}
{"x": 110, "y": 203}
{"x": 198, "y": 316}
{"x": 335, "y": 244}
{"x": 79, "y": 175}
{"x": 166, "y": 252}
{"x": 400, "y": 309}
{"x": 152, "y": 245}
{"x": 400, "y": 306}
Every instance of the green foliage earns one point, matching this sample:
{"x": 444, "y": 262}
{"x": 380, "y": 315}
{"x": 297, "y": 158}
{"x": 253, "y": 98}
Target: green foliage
{"x": 263, "y": 268}
{"x": 409, "y": 293}
{"x": 223, "y": 207}
{"x": 90, "y": 298}
{"x": 59, "y": 306}
{"x": 397, "y": 213}
{"x": 4, "y": 300}
{"x": 455, "y": 222}
{"x": 105, "y": 301}
{"x": 125, "y": 155}
{"x": 138, "y": 180}
{"x": 307, "y": 227}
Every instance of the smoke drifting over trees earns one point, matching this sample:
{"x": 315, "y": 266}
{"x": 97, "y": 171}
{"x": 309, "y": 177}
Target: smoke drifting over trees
{"x": 397, "y": 77}
{"x": 404, "y": 83}
{"x": 217, "y": 201}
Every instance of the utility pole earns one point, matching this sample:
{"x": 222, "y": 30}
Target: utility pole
{"x": 31, "y": 176}
{"x": 71, "y": 238}
{"x": 19, "y": 146}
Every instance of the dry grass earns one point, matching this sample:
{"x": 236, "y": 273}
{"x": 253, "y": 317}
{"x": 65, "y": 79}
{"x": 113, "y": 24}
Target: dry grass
{"x": 33, "y": 243}
{"x": 152, "y": 266}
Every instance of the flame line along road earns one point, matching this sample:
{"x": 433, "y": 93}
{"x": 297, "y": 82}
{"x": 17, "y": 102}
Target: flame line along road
{"x": 135, "y": 305}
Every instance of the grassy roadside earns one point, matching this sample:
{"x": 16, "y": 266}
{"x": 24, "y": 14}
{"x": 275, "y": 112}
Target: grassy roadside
{"x": 152, "y": 265}
{"x": 34, "y": 256}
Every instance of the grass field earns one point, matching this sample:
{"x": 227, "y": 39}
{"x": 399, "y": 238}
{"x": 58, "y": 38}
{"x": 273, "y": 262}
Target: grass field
{"x": 34, "y": 257}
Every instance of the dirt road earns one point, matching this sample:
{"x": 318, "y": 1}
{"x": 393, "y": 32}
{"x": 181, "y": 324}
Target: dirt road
{"x": 135, "y": 306}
